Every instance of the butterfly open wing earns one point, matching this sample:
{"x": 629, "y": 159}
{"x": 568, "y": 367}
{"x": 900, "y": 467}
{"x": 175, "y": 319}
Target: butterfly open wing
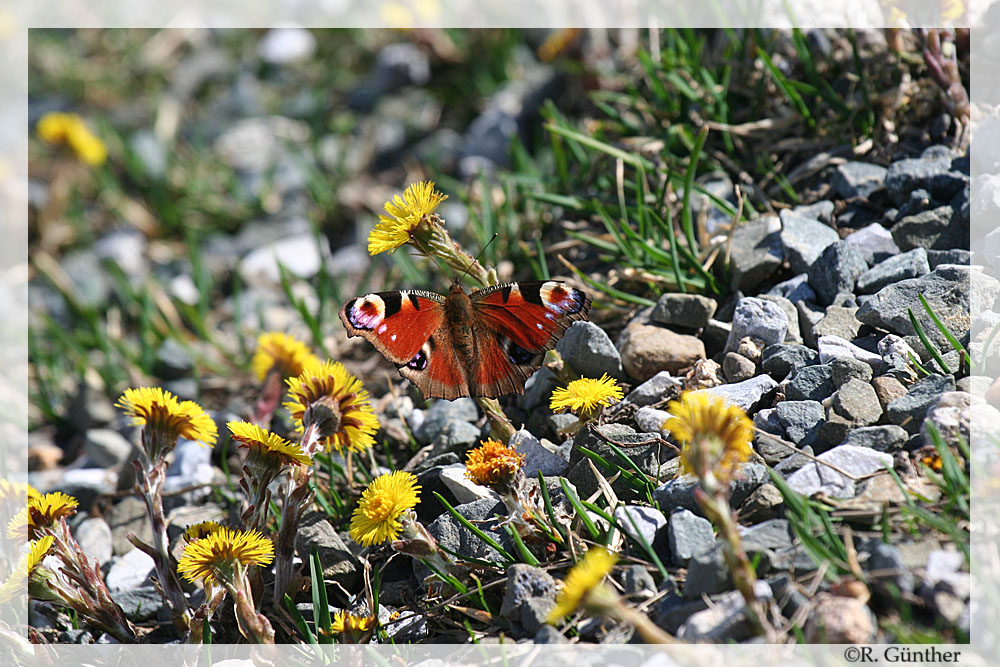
{"x": 408, "y": 327}
{"x": 516, "y": 324}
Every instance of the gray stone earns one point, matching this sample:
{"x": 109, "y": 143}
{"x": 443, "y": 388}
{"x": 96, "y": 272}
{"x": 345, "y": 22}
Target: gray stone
{"x": 726, "y": 621}
{"x": 538, "y": 389}
{"x": 801, "y": 420}
{"x": 835, "y": 271}
{"x": 887, "y": 561}
{"x": 953, "y": 256}
{"x": 874, "y": 242}
{"x": 947, "y": 290}
{"x": 673, "y": 611}
{"x": 803, "y": 240}
{"x": 129, "y": 571}
{"x": 549, "y": 635}
{"x": 767, "y": 420}
{"x": 737, "y": 368}
{"x": 129, "y": 515}
{"x": 690, "y": 311}
{"x": 536, "y": 457}
{"x": 688, "y": 534}
{"x": 751, "y": 395}
{"x": 529, "y": 598}
{"x": 650, "y": 522}
{"x": 707, "y": 573}
{"x": 650, "y": 419}
{"x": 888, "y": 438}
{"x": 443, "y": 412}
{"x": 679, "y": 492}
{"x": 793, "y": 335}
{"x": 463, "y": 489}
{"x": 646, "y": 456}
{"x": 456, "y": 436}
{"x": 140, "y": 603}
{"x": 94, "y": 537}
{"x": 858, "y": 179}
{"x": 794, "y": 289}
{"x": 856, "y": 402}
{"x": 655, "y": 389}
{"x": 758, "y": 318}
{"x": 930, "y": 229}
{"x": 635, "y": 581}
{"x": 771, "y": 447}
{"x": 173, "y": 361}
{"x": 811, "y": 383}
{"x": 908, "y": 411}
{"x": 847, "y": 368}
{"x": 764, "y": 503}
{"x": 772, "y": 535}
{"x": 912, "y": 264}
{"x": 302, "y": 255}
{"x": 450, "y": 533}
{"x": 835, "y": 347}
{"x": 838, "y": 321}
{"x": 106, "y": 448}
{"x": 339, "y": 563}
{"x": 589, "y": 351}
{"x": 780, "y": 360}
{"x": 905, "y": 176}
{"x": 856, "y": 461}
{"x": 756, "y": 252}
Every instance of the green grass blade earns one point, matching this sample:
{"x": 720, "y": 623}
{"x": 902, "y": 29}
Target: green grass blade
{"x": 938, "y": 359}
{"x": 580, "y": 511}
{"x": 300, "y": 622}
{"x": 475, "y": 529}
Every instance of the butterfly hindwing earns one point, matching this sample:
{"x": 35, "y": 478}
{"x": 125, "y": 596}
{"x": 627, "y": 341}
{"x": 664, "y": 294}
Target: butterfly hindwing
{"x": 409, "y": 328}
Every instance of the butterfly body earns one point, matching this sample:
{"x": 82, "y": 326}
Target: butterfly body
{"x": 482, "y": 344}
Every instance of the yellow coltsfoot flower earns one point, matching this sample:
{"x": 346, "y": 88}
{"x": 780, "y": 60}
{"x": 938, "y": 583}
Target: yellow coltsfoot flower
{"x": 202, "y": 529}
{"x": 418, "y": 203}
{"x": 353, "y": 423}
{"x": 387, "y": 498}
{"x": 165, "y": 418}
{"x": 352, "y": 629}
{"x": 494, "y": 465}
{"x": 583, "y": 396}
{"x": 18, "y": 579}
{"x": 276, "y": 350}
{"x": 41, "y": 513}
{"x": 224, "y": 554}
{"x": 714, "y": 435}
{"x": 583, "y": 579}
{"x": 267, "y": 448}
{"x": 57, "y": 127}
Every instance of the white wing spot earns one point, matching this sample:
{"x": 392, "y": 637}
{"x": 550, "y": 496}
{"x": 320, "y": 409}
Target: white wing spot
{"x": 382, "y": 329}
{"x": 539, "y": 325}
{"x": 392, "y": 337}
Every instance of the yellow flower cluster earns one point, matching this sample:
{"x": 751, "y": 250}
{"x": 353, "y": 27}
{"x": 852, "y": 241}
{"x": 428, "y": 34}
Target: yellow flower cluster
{"x": 492, "y": 463}
{"x": 56, "y": 127}
{"x": 714, "y": 434}
{"x": 330, "y": 383}
{"x": 42, "y": 511}
{"x": 267, "y": 444}
{"x": 160, "y": 411}
{"x": 388, "y": 497}
{"x": 218, "y": 555}
{"x": 584, "y": 395}
{"x": 404, "y": 215}
{"x": 581, "y": 580}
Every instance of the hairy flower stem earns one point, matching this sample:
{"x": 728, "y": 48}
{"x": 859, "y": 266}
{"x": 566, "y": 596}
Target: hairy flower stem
{"x": 252, "y": 625}
{"x": 716, "y": 509}
{"x": 149, "y": 484}
{"x": 214, "y": 597}
{"x": 296, "y": 497}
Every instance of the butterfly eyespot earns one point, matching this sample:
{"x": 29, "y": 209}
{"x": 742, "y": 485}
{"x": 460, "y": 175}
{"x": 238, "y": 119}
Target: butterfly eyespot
{"x": 518, "y": 355}
{"x": 418, "y": 362}
{"x": 558, "y": 299}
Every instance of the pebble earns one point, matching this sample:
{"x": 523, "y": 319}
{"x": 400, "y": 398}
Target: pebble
{"x": 105, "y": 448}
{"x": 840, "y": 620}
{"x": 737, "y": 367}
{"x": 462, "y": 488}
{"x": 834, "y": 347}
{"x": 837, "y": 321}
{"x": 173, "y": 361}
{"x": 847, "y": 368}
{"x": 856, "y": 402}
{"x": 645, "y": 456}
{"x": 443, "y": 412}
{"x": 726, "y": 620}
{"x": 794, "y": 289}
{"x": 646, "y": 349}
{"x": 803, "y": 239}
{"x": 690, "y": 311}
{"x": 127, "y": 250}
{"x": 657, "y": 388}
{"x": 811, "y": 383}
{"x": 793, "y": 335}
{"x": 887, "y": 561}
{"x": 528, "y": 599}
{"x": 651, "y": 419}
{"x": 815, "y": 477}
{"x": 589, "y": 351}
{"x": 536, "y": 457}
{"x": 908, "y": 410}
{"x": 94, "y": 537}
{"x": 951, "y": 256}
{"x": 299, "y": 255}
{"x": 761, "y": 319}
{"x": 905, "y": 176}
{"x": 284, "y": 45}
{"x": 780, "y": 360}
{"x": 756, "y": 252}
{"x": 874, "y": 242}
{"x": 129, "y": 571}
{"x": 455, "y": 436}
{"x": 707, "y": 573}
{"x": 836, "y": 271}
{"x": 801, "y": 420}
{"x": 636, "y": 581}
{"x": 679, "y": 491}
{"x": 126, "y": 516}
{"x": 929, "y": 229}
{"x": 767, "y": 420}
{"x": 750, "y": 395}
{"x": 887, "y": 389}
{"x": 141, "y": 603}
{"x": 650, "y": 522}
{"x": 912, "y": 264}
{"x": 687, "y": 535}
{"x": 339, "y": 563}
{"x": 764, "y": 503}
{"x": 858, "y": 179}
{"x": 450, "y": 533}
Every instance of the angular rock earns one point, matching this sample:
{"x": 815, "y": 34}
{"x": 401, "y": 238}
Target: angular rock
{"x": 339, "y": 563}
{"x": 793, "y": 335}
{"x": 780, "y": 360}
{"x": 905, "y": 176}
{"x": 856, "y": 461}
{"x": 106, "y": 448}
{"x": 836, "y": 271}
{"x": 726, "y": 621}
{"x": 888, "y": 389}
{"x": 463, "y": 489}
{"x": 874, "y": 242}
{"x": 953, "y": 256}
{"x": 94, "y": 537}
{"x": 858, "y": 179}
{"x": 646, "y": 456}
{"x": 912, "y": 264}
{"x": 834, "y": 347}
{"x": 536, "y": 457}
{"x": 751, "y": 395}
{"x": 130, "y": 571}
{"x": 794, "y": 289}
{"x": 688, "y": 534}
{"x": 764, "y": 503}
{"x": 443, "y": 412}
{"x": 679, "y": 492}
{"x": 650, "y": 419}
{"x": 649, "y": 520}
{"x": 655, "y": 389}
{"x": 690, "y": 311}
{"x": 737, "y": 367}
{"x": 529, "y": 598}
{"x": 801, "y": 420}
{"x": 856, "y": 402}
{"x": 450, "y": 533}
{"x": 840, "y": 620}
{"x": 811, "y": 383}
{"x": 930, "y": 229}
{"x": 758, "y": 318}
{"x": 848, "y": 368}
{"x": 140, "y": 603}
{"x": 589, "y": 351}
{"x": 909, "y": 410}
{"x": 803, "y": 240}
{"x": 767, "y": 420}
{"x": 838, "y": 321}
{"x": 647, "y": 349}
{"x": 707, "y": 573}
{"x": 756, "y": 252}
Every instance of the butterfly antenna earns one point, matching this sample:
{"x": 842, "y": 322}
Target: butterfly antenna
{"x": 466, "y": 272}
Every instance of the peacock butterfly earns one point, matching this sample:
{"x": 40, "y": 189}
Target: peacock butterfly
{"x": 487, "y": 343}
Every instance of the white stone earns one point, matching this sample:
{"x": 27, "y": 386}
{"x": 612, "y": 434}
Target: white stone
{"x": 286, "y": 44}
{"x": 130, "y": 571}
{"x": 463, "y": 488}
{"x": 300, "y": 255}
